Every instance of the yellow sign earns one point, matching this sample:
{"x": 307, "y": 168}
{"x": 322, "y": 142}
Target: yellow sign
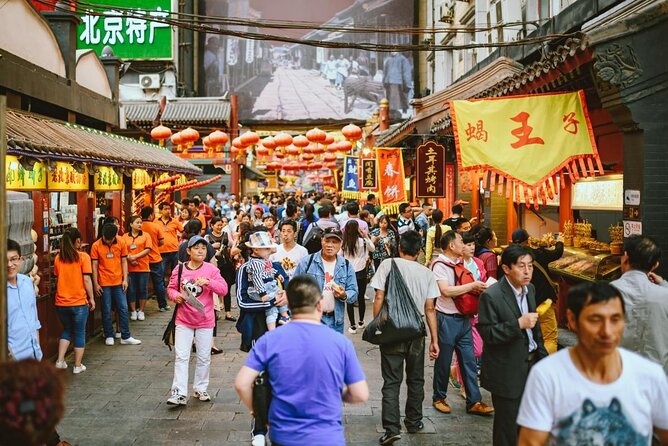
{"x": 17, "y": 178}
{"x": 65, "y": 178}
{"x": 106, "y": 179}
{"x": 140, "y": 179}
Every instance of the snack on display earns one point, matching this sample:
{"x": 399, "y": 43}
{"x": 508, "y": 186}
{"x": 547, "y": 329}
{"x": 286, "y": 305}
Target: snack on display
{"x": 563, "y": 262}
{"x": 547, "y": 241}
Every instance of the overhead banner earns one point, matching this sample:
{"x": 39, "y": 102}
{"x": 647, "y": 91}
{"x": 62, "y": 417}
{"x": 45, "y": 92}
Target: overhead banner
{"x": 107, "y": 180}
{"x": 351, "y": 178}
{"x": 526, "y": 142}
{"x": 430, "y": 161}
{"x": 65, "y": 178}
{"x": 369, "y": 174}
{"x": 391, "y": 179}
{"x": 18, "y": 178}
{"x": 140, "y": 179}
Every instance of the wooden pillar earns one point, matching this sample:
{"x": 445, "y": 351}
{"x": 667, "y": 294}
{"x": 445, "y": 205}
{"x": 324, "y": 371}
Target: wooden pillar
{"x": 565, "y": 211}
{"x": 85, "y": 217}
{"x": 512, "y": 220}
{"x": 475, "y": 202}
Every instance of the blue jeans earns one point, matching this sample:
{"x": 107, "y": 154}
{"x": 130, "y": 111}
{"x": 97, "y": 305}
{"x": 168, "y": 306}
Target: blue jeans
{"x": 74, "y": 324}
{"x": 330, "y": 321}
{"x": 158, "y": 279}
{"x": 169, "y": 262}
{"x": 454, "y": 335}
{"x": 116, "y": 294}
{"x": 137, "y": 287}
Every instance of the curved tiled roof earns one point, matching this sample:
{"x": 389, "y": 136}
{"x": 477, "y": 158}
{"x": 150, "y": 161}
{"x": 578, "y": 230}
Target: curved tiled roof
{"x": 196, "y": 111}
{"x": 387, "y": 136}
{"x": 141, "y": 113}
{"x": 44, "y": 138}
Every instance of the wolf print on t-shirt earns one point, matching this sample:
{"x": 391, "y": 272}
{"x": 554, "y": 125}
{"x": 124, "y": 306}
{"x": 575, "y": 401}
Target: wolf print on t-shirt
{"x": 598, "y": 426}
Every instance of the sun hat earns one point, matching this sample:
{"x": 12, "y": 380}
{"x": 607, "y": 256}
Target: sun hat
{"x": 260, "y": 239}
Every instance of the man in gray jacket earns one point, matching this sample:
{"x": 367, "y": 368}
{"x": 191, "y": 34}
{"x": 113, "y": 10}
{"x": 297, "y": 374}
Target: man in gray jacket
{"x": 645, "y": 296}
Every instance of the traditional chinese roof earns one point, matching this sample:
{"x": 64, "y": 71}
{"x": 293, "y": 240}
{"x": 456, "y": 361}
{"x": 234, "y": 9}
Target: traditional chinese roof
{"x": 42, "y": 138}
{"x": 395, "y": 133}
{"x": 196, "y": 111}
{"x": 141, "y": 113}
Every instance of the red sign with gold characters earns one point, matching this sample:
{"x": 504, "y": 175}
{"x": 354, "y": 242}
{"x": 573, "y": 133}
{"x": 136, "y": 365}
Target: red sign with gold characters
{"x": 391, "y": 178}
{"x": 430, "y": 161}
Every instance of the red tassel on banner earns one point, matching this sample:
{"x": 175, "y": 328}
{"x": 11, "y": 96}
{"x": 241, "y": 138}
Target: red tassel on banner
{"x": 464, "y": 181}
{"x": 583, "y": 167}
{"x": 500, "y": 185}
{"x": 590, "y": 164}
{"x": 574, "y": 171}
{"x": 510, "y": 188}
{"x": 543, "y": 195}
{"x": 600, "y": 166}
{"x": 536, "y": 197}
{"x": 485, "y": 179}
{"x": 547, "y": 189}
{"x": 474, "y": 181}
{"x": 492, "y": 181}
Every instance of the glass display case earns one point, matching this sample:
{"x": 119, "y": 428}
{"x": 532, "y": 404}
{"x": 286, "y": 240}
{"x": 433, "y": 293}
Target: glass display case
{"x": 586, "y": 264}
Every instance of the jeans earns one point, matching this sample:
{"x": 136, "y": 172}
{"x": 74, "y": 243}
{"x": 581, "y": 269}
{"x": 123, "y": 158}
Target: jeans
{"x": 137, "y": 287}
{"x": 454, "y": 335}
{"x": 392, "y": 359}
{"x": 158, "y": 279}
{"x": 115, "y": 294}
{"x": 361, "y": 277}
{"x": 330, "y": 321}
{"x": 169, "y": 262}
{"x": 74, "y": 324}
{"x": 183, "y": 341}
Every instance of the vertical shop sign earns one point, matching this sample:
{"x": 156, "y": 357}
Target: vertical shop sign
{"x": 369, "y": 173}
{"x": 430, "y": 160}
{"x": 391, "y": 178}
{"x": 351, "y": 178}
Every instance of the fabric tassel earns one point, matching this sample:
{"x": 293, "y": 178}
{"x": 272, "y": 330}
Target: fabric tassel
{"x": 583, "y": 167}
{"x": 510, "y": 188}
{"x": 574, "y": 170}
{"x": 590, "y": 164}
{"x": 543, "y": 195}
{"x": 600, "y": 166}
{"x": 492, "y": 181}
{"x": 485, "y": 179}
{"x": 473, "y": 181}
{"x": 500, "y": 186}
{"x": 547, "y": 189}
{"x": 536, "y": 196}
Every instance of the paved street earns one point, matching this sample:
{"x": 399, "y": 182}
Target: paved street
{"x": 120, "y": 399}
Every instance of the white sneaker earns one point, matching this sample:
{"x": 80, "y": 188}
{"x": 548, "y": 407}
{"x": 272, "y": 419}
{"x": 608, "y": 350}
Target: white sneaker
{"x": 133, "y": 315}
{"x": 61, "y": 364}
{"x": 258, "y": 440}
{"x": 360, "y": 324}
{"x": 176, "y": 399}
{"x": 118, "y": 335}
{"x": 202, "y": 396}
{"x": 130, "y": 341}
{"x": 141, "y": 316}
{"x": 109, "y": 341}
{"x": 76, "y": 370}
{"x": 352, "y": 330}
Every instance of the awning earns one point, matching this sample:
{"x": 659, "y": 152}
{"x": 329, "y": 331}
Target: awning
{"x": 196, "y": 111}
{"x": 141, "y": 113}
{"x": 42, "y": 138}
{"x": 252, "y": 173}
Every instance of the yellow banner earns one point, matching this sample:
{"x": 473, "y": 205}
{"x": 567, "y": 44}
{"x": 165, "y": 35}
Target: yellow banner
{"x": 140, "y": 179}
{"x": 65, "y": 178}
{"x": 106, "y": 180}
{"x": 17, "y": 178}
{"x": 524, "y": 140}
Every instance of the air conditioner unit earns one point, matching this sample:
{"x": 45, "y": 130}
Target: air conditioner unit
{"x": 446, "y": 14}
{"x": 149, "y": 81}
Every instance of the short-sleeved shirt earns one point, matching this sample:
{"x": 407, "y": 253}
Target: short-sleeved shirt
{"x": 289, "y": 259}
{"x": 202, "y": 220}
{"x": 419, "y": 280}
{"x": 170, "y": 232}
{"x": 70, "y": 291}
{"x": 135, "y": 246}
{"x": 22, "y": 321}
{"x": 308, "y": 365}
{"x": 156, "y": 234}
{"x": 109, "y": 269}
{"x": 442, "y": 272}
{"x": 560, "y": 400}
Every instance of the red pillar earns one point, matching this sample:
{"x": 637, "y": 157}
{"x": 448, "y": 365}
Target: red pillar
{"x": 235, "y": 181}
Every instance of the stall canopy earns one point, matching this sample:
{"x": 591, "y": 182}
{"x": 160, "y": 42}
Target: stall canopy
{"x": 34, "y": 136}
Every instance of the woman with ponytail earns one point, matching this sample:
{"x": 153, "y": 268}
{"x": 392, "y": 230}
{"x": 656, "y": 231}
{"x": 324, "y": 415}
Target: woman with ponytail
{"x": 485, "y": 242}
{"x": 74, "y": 297}
{"x": 434, "y": 236}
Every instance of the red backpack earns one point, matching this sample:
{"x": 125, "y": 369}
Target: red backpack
{"x": 467, "y": 304}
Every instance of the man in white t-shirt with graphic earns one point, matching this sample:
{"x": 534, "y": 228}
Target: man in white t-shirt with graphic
{"x": 595, "y": 393}
{"x": 289, "y": 253}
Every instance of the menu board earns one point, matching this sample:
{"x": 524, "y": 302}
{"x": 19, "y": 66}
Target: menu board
{"x": 602, "y": 193}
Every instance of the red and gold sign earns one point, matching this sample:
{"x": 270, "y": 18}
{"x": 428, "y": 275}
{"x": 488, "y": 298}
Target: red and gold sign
{"x": 391, "y": 179}
{"x": 524, "y": 142}
{"x": 369, "y": 174}
{"x": 430, "y": 160}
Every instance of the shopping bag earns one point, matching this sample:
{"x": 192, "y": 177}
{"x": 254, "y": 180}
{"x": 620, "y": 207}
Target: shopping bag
{"x": 170, "y": 330}
{"x": 399, "y": 319}
{"x": 261, "y": 398}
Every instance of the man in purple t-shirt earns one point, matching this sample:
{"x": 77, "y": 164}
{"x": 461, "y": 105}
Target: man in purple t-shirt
{"x": 312, "y": 369}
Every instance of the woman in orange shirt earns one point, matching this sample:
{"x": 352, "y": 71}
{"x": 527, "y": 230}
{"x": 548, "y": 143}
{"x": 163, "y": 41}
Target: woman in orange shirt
{"x": 74, "y": 296}
{"x": 139, "y": 245}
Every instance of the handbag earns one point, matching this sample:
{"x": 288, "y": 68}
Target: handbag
{"x": 398, "y": 319}
{"x": 261, "y": 398}
{"x": 467, "y": 303}
{"x": 170, "y": 331}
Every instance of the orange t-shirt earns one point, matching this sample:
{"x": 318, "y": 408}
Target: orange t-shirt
{"x": 109, "y": 269}
{"x": 135, "y": 246}
{"x": 170, "y": 232}
{"x": 70, "y": 291}
{"x": 201, "y": 218}
{"x": 152, "y": 230}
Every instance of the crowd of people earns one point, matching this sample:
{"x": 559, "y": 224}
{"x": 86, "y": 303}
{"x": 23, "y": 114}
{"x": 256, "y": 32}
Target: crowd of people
{"x": 300, "y": 264}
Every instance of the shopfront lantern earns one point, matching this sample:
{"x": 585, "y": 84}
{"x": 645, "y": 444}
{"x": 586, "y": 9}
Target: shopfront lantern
{"x": 262, "y": 151}
{"x": 300, "y": 141}
{"x": 329, "y": 139}
{"x": 352, "y": 132}
{"x": 316, "y": 135}
{"x": 316, "y": 149}
{"x": 161, "y": 133}
{"x": 250, "y": 138}
{"x": 329, "y": 157}
{"x": 279, "y": 155}
{"x": 330, "y": 165}
{"x": 190, "y": 135}
{"x": 238, "y": 147}
{"x": 292, "y": 150}
{"x": 316, "y": 165}
{"x": 283, "y": 140}
{"x": 333, "y": 147}
{"x": 218, "y": 140}
{"x": 307, "y": 156}
{"x": 344, "y": 146}
{"x": 269, "y": 143}
{"x": 274, "y": 165}
{"x": 177, "y": 141}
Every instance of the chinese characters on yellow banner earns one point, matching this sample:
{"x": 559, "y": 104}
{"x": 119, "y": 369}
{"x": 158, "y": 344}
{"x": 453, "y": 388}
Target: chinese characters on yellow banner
{"x": 106, "y": 179}
{"x": 65, "y": 178}
{"x": 140, "y": 179}
{"x": 18, "y": 178}
{"x": 430, "y": 161}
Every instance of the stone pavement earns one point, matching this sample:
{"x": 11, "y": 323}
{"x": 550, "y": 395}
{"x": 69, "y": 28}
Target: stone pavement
{"x": 120, "y": 399}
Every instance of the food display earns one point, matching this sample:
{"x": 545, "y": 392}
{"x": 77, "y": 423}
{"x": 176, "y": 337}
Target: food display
{"x": 581, "y": 233}
{"x": 616, "y": 239}
{"x": 567, "y": 233}
{"x": 587, "y": 263}
{"x": 547, "y": 241}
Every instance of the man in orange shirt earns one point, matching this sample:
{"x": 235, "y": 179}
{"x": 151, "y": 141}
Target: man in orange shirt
{"x": 193, "y": 205}
{"x": 171, "y": 228}
{"x": 110, "y": 281}
{"x": 154, "y": 257}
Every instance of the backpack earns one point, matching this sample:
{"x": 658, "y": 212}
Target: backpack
{"x": 313, "y": 243}
{"x": 467, "y": 304}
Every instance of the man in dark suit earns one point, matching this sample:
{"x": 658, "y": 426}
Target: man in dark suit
{"x": 513, "y": 343}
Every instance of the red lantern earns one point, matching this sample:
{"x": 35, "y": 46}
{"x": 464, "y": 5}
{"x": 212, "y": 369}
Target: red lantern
{"x": 218, "y": 138}
{"x": 307, "y": 157}
{"x": 262, "y": 151}
{"x": 316, "y": 165}
{"x": 176, "y": 139}
{"x": 238, "y": 143}
{"x": 250, "y": 138}
{"x": 189, "y": 135}
{"x": 269, "y": 143}
{"x": 161, "y": 132}
{"x": 206, "y": 141}
{"x": 316, "y": 135}
{"x": 344, "y": 146}
{"x": 292, "y": 150}
{"x": 317, "y": 149}
{"x": 352, "y": 132}
{"x": 291, "y": 166}
{"x": 300, "y": 141}
{"x": 283, "y": 140}
{"x": 329, "y": 157}
{"x": 274, "y": 165}
{"x": 329, "y": 139}
{"x": 302, "y": 165}
{"x": 333, "y": 147}
{"x": 331, "y": 165}
{"x": 279, "y": 155}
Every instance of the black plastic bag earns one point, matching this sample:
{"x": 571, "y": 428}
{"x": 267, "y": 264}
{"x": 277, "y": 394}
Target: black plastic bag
{"x": 169, "y": 334}
{"x": 261, "y": 399}
{"x": 399, "y": 319}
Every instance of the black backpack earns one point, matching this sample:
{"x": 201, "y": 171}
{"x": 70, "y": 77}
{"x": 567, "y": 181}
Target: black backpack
{"x": 313, "y": 243}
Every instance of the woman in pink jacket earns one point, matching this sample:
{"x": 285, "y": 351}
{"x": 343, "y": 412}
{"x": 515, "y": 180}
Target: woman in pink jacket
{"x": 192, "y": 286}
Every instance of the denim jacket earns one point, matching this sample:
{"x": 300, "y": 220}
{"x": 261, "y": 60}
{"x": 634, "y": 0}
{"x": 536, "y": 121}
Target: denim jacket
{"x": 343, "y": 274}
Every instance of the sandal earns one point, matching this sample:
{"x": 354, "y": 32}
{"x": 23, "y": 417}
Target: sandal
{"x": 230, "y": 318}
{"x": 216, "y": 351}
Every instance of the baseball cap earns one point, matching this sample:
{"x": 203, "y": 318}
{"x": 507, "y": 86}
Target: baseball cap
{"x": 332, "y": 232}
{"x": 520, "y": 236}
{"x": 195, "y": 240}
{"x": 268, "y": 215}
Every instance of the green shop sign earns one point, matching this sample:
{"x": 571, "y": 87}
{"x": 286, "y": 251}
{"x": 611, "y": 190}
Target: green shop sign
{"x": 136, "y": 30}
